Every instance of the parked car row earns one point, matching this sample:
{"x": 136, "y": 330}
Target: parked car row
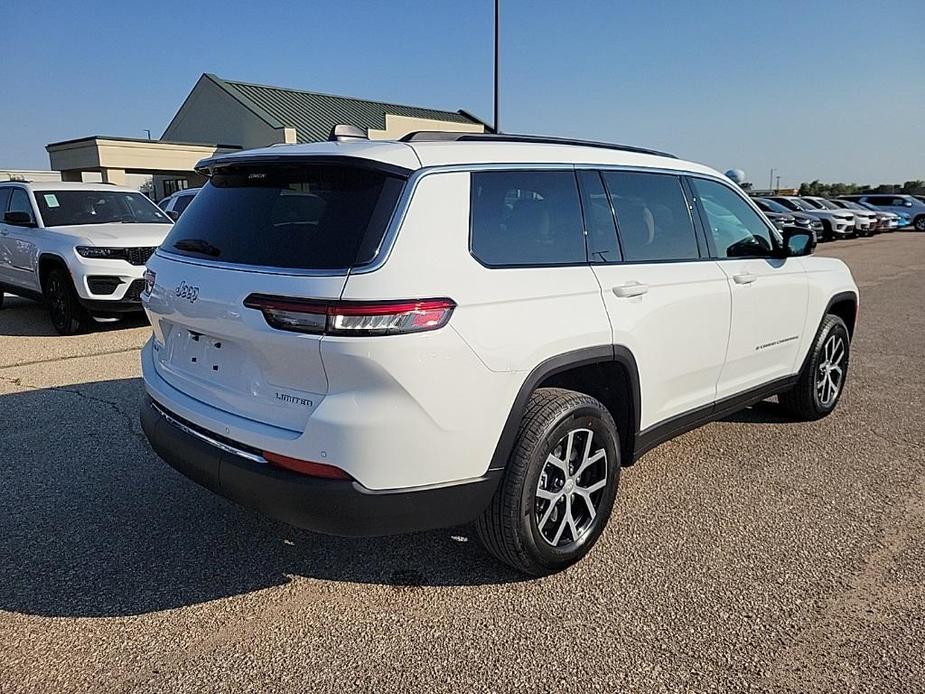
{"x": 909, "y": 208}
{"x": 846, "y": 216}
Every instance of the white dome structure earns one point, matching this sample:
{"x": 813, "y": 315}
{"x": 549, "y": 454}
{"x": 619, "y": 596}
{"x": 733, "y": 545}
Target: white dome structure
{"x": 736, "y": 175}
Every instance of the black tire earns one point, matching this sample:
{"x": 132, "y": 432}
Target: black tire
{"x": 828, "y": 233}
{"x": 509, "y": 528}
{"x": 67, "y": 315}
{"x": 806, "y": 400}
{"x": 919, "y": 223}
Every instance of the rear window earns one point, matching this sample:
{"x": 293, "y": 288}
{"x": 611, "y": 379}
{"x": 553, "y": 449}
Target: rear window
{"x": 305, "y": 217}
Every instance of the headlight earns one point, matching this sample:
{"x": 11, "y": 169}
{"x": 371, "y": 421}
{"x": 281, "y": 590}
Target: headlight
{"x": 100, "y": 252}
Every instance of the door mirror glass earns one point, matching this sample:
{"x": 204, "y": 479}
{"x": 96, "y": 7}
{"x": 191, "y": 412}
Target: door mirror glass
{"x": 797, "y": 242}
{"x": 19, "y": 219}
{"x": 173, "y": 214}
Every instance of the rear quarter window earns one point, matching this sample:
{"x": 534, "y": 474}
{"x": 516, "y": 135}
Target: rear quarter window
{"x": 526, "y": 218}
{"x": 300, "y": 217}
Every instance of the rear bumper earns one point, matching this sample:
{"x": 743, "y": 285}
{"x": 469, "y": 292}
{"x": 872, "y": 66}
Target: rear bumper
{"x": 334, "y": 507}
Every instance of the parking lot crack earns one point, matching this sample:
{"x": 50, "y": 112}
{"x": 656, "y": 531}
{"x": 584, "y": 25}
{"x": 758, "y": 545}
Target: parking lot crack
{"x": 126, "y": 417}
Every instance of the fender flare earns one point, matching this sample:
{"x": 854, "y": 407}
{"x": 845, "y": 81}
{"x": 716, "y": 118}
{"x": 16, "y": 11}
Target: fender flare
{"x": 835, "y": 299}
{"x": 53, "y": 258}
{"x": 557, "y": 364}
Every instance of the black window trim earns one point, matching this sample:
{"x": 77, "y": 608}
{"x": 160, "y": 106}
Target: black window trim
{"x": 705, "y": 223}
{"x": 532, "y": 169}
{"x": 584, "y": 217}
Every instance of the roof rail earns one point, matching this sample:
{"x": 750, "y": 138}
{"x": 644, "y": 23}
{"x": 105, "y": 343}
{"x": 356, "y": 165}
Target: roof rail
{"x": 445, "y": 136}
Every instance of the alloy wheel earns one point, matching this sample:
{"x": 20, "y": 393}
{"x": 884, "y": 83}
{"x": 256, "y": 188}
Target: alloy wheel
{"x": 570, "y": 488}
{"x": 831, "y": 373}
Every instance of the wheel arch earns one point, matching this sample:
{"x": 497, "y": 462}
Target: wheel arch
{"x": 606, "y": 372}
{"x": 845, "y": 306}
{"x": 47, "y": 262}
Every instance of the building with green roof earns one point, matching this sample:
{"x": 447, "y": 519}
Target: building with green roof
{"x": 221, "y": 115}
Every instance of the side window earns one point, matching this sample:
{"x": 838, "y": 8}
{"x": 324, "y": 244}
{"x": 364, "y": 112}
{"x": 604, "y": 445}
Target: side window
{"x": 181, "y": 202}
{"x": 526, "y": 218}
{"x": 19, "y": 202}
{"x": 653, "y": 217}
{"x": 599, "y": 224}
{"x": 737, "y": 230}
{"x": 4, "y": 200}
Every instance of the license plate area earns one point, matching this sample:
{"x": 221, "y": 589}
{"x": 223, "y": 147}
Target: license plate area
{"x": 199, "y": 354}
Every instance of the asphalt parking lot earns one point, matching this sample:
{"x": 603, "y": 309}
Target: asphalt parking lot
{"x": 752, "y": 554}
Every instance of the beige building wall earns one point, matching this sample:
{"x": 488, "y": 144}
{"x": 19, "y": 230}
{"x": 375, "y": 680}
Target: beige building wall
{"x": 210, "y": 114}
{"x": 398, "y": 126}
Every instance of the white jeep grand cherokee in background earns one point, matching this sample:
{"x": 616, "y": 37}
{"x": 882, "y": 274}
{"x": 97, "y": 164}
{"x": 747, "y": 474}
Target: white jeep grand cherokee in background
{"x": 80, "y": 247}
{"x": 365, "y": 338}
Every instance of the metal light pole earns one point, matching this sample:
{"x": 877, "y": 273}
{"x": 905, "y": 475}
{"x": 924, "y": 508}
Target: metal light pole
{"x": 771, "y": 179}
{"x": 149, "y": 133}
{"x": 497, "y": 120}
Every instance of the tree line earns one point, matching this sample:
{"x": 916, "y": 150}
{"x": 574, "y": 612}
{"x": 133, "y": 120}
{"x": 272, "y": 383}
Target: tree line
{"x": 827, "y": 190}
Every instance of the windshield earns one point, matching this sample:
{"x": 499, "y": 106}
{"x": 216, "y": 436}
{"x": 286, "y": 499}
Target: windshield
{"x": 771, "y": 206}
{"x": 71, "y": 207}
{"x": 307, "y": 217}
{"x": 828, "y": 204}
{"x": 797, "y": 204}
{"x": 808, "y": 204}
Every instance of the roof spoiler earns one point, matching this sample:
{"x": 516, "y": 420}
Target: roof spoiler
{"x": 344, "y": 132}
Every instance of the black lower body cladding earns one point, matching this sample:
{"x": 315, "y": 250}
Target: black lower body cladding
{"x": 334, "y": 507}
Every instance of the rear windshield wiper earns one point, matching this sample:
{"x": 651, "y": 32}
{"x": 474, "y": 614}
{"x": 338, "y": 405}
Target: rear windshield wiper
{"x": 197, "y": 246}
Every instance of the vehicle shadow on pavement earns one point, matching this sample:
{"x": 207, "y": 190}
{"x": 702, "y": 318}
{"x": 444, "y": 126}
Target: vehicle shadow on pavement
{"x": 95, "y": 524}
{"x": 764, "y": 412}
{"x": 25, "y": 318}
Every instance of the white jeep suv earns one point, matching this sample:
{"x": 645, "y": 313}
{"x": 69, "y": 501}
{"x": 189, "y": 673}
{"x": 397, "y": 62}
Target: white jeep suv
{"x": 364, "y": 338}
{"x": 80, "y": 247}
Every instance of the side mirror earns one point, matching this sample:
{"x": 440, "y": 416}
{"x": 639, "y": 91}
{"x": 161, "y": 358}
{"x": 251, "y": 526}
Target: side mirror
{"x": 19, "y": 219}
{"x": 173, "y": 214}
{"x": 797, "y": 242}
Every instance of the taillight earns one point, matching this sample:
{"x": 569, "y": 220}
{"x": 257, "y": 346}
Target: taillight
{"x": 352, "y": 317}
{"x": 305, "y": 467}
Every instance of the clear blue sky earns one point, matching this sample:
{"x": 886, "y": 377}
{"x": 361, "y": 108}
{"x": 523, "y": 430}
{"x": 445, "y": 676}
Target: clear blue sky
{"x": 825, "y": 89}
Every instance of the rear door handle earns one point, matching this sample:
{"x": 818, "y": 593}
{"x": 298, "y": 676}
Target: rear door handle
{"x": 744, "y": 278}
{"x": 629, "y": 289}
